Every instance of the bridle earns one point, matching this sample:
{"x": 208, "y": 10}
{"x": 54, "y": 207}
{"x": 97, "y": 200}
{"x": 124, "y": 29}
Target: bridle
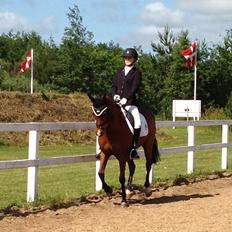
{"x": 98, "y": 112}
{"x": 103, "y": 111}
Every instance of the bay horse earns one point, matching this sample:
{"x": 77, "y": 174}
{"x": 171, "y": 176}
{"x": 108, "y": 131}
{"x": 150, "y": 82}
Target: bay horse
{"x": 115, "y": 138}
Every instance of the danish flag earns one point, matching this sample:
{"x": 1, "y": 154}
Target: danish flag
{"x": 190, "y": 54}
{"x": 27, "y": 63}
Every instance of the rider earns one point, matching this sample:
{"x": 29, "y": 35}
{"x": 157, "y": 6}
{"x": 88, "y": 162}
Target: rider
{"x": 125, "y": 85}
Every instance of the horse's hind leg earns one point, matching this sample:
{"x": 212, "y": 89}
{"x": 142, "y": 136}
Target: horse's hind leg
{"x": 131, "y": 166}
{"x": 149, "y": 160}
{"x": 101, "y": 173}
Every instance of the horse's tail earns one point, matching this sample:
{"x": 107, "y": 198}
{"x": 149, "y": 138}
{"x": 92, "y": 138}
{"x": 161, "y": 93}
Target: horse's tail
{"x": 155, "y": 152}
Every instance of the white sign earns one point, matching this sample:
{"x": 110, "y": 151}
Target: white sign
{"x": 186, "y": 108}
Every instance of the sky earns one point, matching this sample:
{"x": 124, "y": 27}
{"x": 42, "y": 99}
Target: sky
{"x": 127, "y": 22}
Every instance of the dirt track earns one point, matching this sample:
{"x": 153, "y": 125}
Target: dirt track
{"x": 201, "y": 206}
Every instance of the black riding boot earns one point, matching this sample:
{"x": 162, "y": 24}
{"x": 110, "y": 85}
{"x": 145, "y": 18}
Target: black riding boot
{"x": 133, "y": 152}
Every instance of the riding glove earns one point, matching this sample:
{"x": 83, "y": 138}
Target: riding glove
{"x": 117, "y": 98}
{"x": 123, "y": 101}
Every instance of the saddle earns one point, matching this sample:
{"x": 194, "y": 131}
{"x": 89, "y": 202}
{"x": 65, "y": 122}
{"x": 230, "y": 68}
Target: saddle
{"x": 130, "y": 122}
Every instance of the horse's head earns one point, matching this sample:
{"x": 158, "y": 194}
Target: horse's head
{"x": 100, "y": 111}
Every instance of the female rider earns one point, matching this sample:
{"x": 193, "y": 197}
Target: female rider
{"x": 124, "y": 88}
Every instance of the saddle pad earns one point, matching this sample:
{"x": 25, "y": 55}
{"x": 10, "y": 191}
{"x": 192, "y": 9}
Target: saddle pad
{"x": 144, "y": 126}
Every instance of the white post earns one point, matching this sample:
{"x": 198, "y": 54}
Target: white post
{"x": 195, "y": 75}
{"x": 195, "y": 81}
{"x": 173, "y": 119}
{"x": 98, "y": 180}
{"x": 33, "y": 152}
{"x": 224, "y": 159}
{"x": 191, "y": 142}
{"x": 32, "y": 61}
{"x": 173, "y": 112}
{"x": 151, "y": 174}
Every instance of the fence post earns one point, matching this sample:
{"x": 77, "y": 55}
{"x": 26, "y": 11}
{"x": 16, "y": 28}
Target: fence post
{"x": 224, "y": 159}
{"x": 191, "y": 142}
{"x": 32, "y": 176}
{"x": 98, "y": 180}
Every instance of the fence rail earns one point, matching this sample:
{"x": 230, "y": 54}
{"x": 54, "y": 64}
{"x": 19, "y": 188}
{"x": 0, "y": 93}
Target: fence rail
{"x": 33, "y": 161}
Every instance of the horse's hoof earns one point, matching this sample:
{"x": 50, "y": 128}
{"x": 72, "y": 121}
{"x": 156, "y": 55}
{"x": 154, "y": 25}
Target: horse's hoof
{"x": 108, "y": 190}
{"x": 124, "y": 204}
{"x": 148, "y": 192}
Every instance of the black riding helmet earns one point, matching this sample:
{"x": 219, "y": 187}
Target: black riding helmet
{"x": 130, "y": 52}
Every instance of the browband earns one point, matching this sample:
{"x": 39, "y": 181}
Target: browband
{"x": 98, "y": 112}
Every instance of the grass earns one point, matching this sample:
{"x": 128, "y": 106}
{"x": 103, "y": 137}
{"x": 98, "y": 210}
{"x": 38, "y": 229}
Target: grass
{"x": 67, "y": 182}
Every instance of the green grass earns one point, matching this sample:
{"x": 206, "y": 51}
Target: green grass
{"x": 66, "y": 182}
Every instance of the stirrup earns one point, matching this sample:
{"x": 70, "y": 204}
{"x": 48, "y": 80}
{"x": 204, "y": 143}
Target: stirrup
{"x": 134, "y": 154}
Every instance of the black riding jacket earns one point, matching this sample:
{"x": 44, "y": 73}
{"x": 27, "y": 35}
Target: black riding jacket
{"x": 127, "y": 86}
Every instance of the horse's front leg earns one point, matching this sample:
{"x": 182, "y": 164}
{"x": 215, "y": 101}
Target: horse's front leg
{"x": 122, "y": 164}
{"x": 101, "y": 173}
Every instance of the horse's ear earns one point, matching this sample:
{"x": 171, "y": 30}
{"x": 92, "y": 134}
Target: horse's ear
{"x": 92, "y": 99}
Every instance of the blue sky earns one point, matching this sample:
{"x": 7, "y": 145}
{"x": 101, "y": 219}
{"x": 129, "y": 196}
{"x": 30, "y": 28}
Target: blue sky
{"x": 127, "y": 22}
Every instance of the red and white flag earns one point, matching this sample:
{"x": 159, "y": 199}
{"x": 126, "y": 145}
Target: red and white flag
{"x": 27, "y": 63}
{"x": 190, "y": 54}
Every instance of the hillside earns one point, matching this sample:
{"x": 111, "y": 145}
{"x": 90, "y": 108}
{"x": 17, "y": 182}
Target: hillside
{"x": 25, "y": 107}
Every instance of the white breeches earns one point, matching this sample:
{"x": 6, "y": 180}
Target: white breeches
{"x": 135, "y": 113}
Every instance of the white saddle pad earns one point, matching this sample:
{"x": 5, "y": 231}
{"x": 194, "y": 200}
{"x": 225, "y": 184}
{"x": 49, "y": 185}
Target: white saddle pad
{"x": 144, "y": 126}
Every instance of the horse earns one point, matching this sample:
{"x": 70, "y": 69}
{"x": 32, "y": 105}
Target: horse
{"x": 115, "y": 138}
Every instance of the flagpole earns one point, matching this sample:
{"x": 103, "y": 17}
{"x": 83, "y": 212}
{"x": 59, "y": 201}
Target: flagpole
{"x": 32, "y": 61}
{"x": 195, "y": 76}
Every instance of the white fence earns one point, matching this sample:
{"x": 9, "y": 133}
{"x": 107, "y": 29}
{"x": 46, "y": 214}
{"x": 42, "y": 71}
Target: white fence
{"x": 33, "y": 161}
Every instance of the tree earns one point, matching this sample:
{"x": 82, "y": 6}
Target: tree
{"x": 166, "y": 42}
{"x": 216, "y": 73}
{"x": 174, "y": 81}
{"x": 72, "y": 74}
{"x": 76, "y": 32}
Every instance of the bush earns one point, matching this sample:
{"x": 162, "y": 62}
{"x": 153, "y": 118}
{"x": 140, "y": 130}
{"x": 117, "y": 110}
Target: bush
{"x": 20, "y": 83}
{"x": 214, "y": 114}
{"x": 228, "y": 108}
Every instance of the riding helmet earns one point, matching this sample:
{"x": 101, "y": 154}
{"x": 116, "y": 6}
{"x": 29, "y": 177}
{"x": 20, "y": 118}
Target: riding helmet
{"x": 130, "y": 52}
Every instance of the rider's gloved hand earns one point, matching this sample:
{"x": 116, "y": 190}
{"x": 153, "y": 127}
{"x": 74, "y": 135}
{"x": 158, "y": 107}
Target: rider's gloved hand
{"x": 123, "y": 101}
{"x": 117, "y": 98}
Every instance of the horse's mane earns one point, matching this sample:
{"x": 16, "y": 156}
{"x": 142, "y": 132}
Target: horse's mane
{"x": 110, "y": 101}
{"x": 113, "y": 106}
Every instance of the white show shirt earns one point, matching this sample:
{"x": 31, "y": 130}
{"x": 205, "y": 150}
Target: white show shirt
{"x": 127, "y": 69}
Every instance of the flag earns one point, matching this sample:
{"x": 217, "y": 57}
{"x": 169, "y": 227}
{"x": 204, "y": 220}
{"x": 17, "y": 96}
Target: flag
{"x": 190, "y": 54}
{"x": 27, "y": 63}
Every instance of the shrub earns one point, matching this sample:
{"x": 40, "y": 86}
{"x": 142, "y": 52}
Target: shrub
{"x": 228, "y": 108}
{"x": 214, "y": 114}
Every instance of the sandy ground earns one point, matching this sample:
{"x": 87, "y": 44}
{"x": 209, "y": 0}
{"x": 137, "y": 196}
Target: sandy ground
{"x": 201, "y": 206}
